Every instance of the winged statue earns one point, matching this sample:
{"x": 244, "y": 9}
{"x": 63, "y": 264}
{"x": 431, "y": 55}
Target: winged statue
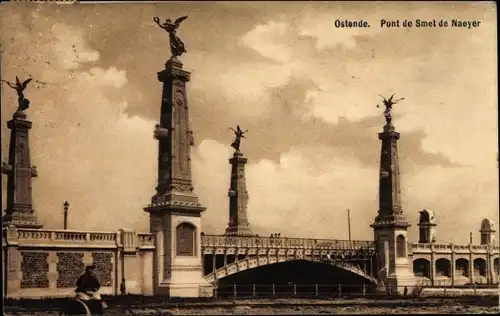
{"x": 388, "y": 103}
{"x": 176, "y": 45}
{"x": 239, "y": 135}
{"x": 20, "y": 87}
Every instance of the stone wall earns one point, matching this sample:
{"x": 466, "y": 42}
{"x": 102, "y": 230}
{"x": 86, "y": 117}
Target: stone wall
{"x": 46, "y": 263}
{"x": 35, "y": 269}
{"x": 69, "y": 267}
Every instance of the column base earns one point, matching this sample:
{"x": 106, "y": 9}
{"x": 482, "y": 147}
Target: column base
{"x": 21, "y": 220}
{"x": 193, "y": 290}
{"x": 185, "y": 281}
{"x": 238, "y": 231}
{"x": 395, "y": 284}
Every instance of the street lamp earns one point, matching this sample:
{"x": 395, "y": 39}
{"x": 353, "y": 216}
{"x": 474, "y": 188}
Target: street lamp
{"x": 66, "y": 206}
{"x": 470, "y": 238}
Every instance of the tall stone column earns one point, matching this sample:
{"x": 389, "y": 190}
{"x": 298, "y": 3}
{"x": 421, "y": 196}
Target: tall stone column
{"x": 390, "y": 226}
{"x": 19, "y": 211}
{"x": 238, "y": 198}
{"x": 175, "y": 212}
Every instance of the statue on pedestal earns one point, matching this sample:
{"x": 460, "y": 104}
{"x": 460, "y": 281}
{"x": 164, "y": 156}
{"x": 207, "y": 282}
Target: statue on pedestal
{"x": 388, "y": 103}
{"x": 19, "y": 87}
{"x": 176, "y": 45}
{"x": 239, "y": 134}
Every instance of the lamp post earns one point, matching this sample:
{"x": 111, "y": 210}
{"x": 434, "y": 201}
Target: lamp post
{"x": 470, "y": 238}
{"x": 349, "y": 222}
{"x": 66, "y": 206}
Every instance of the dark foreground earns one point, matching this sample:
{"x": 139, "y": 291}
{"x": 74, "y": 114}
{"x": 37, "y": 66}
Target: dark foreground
{"x": 289, "y": 306}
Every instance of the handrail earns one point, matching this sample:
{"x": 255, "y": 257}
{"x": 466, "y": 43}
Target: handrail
{"x": 284, "y": 242}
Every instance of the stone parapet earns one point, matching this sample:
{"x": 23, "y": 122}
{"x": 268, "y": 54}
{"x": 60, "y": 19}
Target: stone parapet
{"x": 46, "y": 263}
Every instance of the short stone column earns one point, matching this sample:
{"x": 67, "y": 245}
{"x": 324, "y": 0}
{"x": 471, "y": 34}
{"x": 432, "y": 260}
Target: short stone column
{"x": 453, "y": 265}
{"x": 471, "y": 265}
{"x": 13, "y": 272}
{"x": 131, "y": 270}
{"x": 433, "y": 265}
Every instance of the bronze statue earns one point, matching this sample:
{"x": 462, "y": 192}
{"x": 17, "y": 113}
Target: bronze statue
{"x": 176, "y": 45}
{"x": 19, "y": 87}
{"x": 388, "y": 106}
{"x": 239, "y": 135}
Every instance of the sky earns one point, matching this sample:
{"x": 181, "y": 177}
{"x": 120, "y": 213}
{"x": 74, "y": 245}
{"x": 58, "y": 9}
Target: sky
{"x": 306, "y": 91}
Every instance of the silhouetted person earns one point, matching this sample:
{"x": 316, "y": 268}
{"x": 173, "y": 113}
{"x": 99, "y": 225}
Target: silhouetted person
{"x": 87, "y": 282}
{"x": 405, "y": 292}
{"x": 123, "y": 289}
{"x": 87, "y": 287}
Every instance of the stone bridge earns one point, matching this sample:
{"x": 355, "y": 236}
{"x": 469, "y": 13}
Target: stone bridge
{"x": 226, "y": 255}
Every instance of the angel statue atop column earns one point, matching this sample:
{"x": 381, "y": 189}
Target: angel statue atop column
{"x": 20, "y": 87}
{"x": 239, "y": 134}
{"x": 388, "y": 103}
{"x": 176, "y": 45}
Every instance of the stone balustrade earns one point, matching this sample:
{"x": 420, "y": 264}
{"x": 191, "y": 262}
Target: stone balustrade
{"x": 448, "y": 248}
{"x": 72, "y": 238}
{"x": 145, "y": 240}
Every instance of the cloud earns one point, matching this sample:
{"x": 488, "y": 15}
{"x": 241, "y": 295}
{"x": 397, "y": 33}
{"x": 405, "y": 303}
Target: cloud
{"x": 266, "y": 38}
{"x": 80, "y": 136}
{"x": 326, "y": 105}
{"x": 69, "y": 47}
{"x": 281, "y": 194}
{"x": 311, "y": 111}
{"x": 111, "y": 76}
{"x": 307, "y": 194}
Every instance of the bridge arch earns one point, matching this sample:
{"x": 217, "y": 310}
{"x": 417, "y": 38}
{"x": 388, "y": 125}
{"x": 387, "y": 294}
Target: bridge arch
{"x": 480, "y": 267}
{"x": 422, "y": 267}
{"x": 462, "y": 267}
{"x": 251, "y": 263}
{"x": 443, "y": 267}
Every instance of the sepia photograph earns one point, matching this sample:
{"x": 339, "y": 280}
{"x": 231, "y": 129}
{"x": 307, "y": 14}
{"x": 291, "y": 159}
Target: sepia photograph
{"x": 249, "y": 157}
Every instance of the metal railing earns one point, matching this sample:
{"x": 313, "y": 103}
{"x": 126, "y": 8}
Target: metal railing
{"x": 283, "y": 242}
{"x": 344, "y": 290}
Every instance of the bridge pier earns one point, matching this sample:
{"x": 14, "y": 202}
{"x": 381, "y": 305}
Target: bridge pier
{"x": 390, "y": 226}
{"x": 175, "y": 211}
